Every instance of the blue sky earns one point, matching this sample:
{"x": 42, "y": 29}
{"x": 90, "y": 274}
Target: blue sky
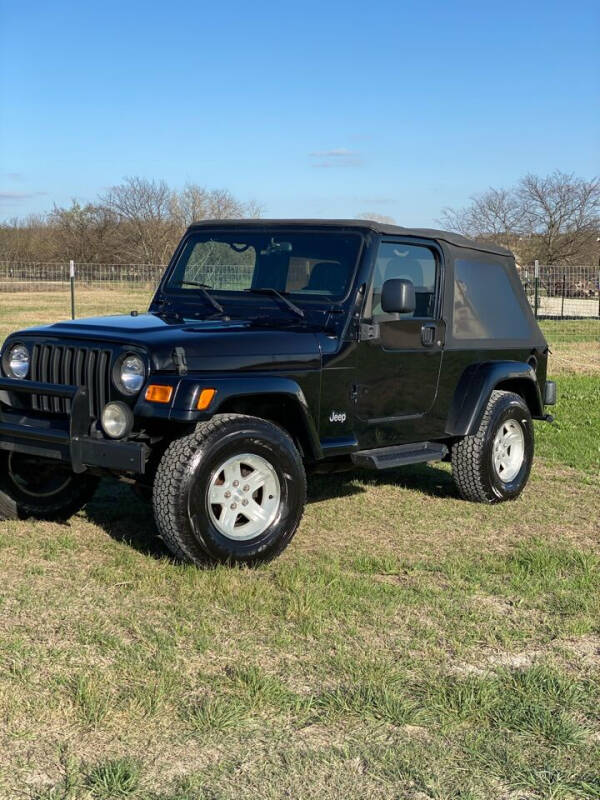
{"x": 313, "y": 108}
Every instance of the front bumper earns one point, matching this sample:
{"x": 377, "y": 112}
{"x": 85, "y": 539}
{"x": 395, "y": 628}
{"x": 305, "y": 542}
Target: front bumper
{"x": 69, "y": 440}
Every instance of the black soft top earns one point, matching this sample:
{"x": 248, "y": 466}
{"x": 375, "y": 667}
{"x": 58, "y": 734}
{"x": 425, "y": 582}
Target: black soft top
{"x": 454, "y": 239}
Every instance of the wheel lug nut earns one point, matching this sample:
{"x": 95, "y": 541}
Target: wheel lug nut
{"x": 227, "y": 494}
{"x": 236, "y": 484}
{"x": 246, "y": 488}
{"x": 234, "y": 506}
{"x": 244, "y": 502}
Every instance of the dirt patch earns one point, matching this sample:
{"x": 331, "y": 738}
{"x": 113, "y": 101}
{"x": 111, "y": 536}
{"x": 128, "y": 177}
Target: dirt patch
{"x": 416, "y": 732}
{"x": 578, "y": 358}
{"x": 586, "y": 647}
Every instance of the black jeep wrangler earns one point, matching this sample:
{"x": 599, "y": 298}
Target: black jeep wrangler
{"x": 273, "y": 348}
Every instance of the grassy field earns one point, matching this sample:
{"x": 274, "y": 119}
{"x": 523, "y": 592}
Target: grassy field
{"x": 406, "y": 645}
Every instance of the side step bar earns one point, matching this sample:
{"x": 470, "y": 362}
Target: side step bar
{"x": 400, "y": 455}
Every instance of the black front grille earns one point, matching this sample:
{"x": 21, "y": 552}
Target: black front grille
{"x": 71, "y": 366}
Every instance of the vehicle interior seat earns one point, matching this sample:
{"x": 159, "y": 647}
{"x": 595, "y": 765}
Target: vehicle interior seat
{"x": 328, "y": 277}
{"x": 413, "y": 271}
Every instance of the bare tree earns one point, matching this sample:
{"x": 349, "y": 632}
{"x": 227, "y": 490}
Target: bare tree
{"x": 20, "y": 239}
{"x": 83, "y": 233}
{"x": 554, "y": 219}
{"x": 190, "y": 204}
{"x": 562, "y": 213}
{"x": 143, "y": 208}
{"x": 375, "y": 217}
{"x": 194, "y": 203}
{"x": 494, "y": 213}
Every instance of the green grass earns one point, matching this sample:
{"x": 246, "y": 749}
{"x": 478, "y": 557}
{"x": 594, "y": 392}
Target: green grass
{"x": 574, "y": 437}
{"x": 113, "y": 779}
{"x": 406, "y": 645}
{"x": 571, "y": 330}
{"x": 406, "y": 642}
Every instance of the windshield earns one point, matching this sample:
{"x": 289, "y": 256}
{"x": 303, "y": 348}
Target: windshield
{"x": 302, "y": 263}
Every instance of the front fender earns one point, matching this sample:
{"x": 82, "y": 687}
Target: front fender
{"x": 477, "y": 383}
{"x": 187, "y": 391}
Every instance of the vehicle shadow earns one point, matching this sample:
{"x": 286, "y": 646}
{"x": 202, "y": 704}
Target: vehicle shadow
{"x": 425, "y": 478}
{"x": 128, "y": 518}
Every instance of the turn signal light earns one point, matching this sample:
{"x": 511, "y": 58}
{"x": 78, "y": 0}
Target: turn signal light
{"x": 159, "y": 394}
{"x": 205, "y": 399}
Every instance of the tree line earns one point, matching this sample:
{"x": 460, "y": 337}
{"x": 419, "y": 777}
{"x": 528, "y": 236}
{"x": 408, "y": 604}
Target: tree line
{"x": 139, "y": 221}
{"x": 554, "y": 219}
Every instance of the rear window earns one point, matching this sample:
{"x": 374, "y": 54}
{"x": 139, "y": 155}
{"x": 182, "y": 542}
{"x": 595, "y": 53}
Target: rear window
{"x": 485, "y": 304}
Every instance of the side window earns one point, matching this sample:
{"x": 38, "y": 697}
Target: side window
{"x": 415, "y": 262}
{"x": 485, "y": 304}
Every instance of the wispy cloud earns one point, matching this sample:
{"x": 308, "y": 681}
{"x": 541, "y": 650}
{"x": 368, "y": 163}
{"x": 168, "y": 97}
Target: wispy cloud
{"x": 14, "y": 176}
{"x": 336, "y": 157}
{"x": 336, "y": 152}
{"x": 17, "y": 197}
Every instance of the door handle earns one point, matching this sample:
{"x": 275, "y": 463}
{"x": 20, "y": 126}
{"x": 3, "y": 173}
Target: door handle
{"x": 428, "y": 335}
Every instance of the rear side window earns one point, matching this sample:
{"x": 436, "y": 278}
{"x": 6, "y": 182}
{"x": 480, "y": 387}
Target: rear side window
{"x": 485, "y": 304}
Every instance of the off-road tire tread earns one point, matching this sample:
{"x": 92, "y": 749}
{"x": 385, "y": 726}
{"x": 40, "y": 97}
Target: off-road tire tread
{"x": 468, "y": 454}
{"x": 171, "y": 522}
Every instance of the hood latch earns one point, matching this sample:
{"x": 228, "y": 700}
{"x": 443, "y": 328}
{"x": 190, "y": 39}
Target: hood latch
{"x": 180, "y": 360}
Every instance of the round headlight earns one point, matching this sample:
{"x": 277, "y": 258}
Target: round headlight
{"x": 18, "y": 361}
{"x": 132, "y": 374}
{"x": 117, "y": 420}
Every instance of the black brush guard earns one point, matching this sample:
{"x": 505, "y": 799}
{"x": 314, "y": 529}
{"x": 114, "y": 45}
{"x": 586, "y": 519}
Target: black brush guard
{"x": 24, "y": 431}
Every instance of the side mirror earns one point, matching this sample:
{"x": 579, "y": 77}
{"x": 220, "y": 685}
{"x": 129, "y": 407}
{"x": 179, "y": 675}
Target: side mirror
{"x": 398, "y": 296}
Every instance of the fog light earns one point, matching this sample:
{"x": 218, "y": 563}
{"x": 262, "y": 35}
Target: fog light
{"x": 117, "y": 420}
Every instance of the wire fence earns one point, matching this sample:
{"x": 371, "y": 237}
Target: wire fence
{"x": 565, "y": 299}
{"x": 569, "y": 292}
{"x": 29, "y": 276}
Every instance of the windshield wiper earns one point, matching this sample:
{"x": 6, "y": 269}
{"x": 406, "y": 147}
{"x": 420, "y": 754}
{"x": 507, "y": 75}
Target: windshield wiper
{"x": 203, "y": 287}
{"x": 269, "y": 290}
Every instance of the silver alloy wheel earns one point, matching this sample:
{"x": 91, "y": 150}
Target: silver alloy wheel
{"x": 508, "y": 450}
{"x": 243, "y": 496}
{"x": 29, "y": 486}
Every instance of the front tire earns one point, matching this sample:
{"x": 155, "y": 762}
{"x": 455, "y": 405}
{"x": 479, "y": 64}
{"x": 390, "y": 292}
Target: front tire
{"x": 494, "y": 464}
{"x": 38, "y": 488}
{"x": 232, "y": 491}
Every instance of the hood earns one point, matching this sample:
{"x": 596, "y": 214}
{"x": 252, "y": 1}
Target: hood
{"x": 210, "y": 345}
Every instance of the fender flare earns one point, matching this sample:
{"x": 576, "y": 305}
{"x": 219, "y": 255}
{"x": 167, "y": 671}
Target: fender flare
{"x": 187, "y": 391}
{"x": 477, "y": 383}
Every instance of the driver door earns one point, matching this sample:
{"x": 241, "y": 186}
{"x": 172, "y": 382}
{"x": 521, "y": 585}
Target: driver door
{"x": 398, "y": 369}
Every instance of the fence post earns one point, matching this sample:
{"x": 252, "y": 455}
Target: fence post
{"x": 536, "y": 300}
{"x": 562, "y": 304}
{"x": 72, "y": 280}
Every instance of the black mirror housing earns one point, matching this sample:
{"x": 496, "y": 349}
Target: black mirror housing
{"x": 398, "y": 296}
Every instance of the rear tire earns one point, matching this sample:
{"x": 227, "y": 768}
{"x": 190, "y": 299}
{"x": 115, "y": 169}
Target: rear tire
{"x": 494, "y": 464}
{"x": 38, "y": 488}
{"x": 232, "y": 491}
